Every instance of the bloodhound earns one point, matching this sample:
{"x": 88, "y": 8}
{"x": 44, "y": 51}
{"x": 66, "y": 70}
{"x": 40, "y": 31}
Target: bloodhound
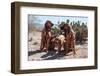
{"x": 69, "y": 44}
{"x": 46, "y": 35}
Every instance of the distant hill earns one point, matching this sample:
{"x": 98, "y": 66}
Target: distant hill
{"x": 35, "y": 27}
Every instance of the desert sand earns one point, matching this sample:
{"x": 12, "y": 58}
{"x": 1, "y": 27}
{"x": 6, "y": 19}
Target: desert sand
{"x": 35, "y": 54}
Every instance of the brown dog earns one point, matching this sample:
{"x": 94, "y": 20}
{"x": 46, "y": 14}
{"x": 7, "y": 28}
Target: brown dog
{"x": 46, "y": 35}
{"x": 69, "y": 44}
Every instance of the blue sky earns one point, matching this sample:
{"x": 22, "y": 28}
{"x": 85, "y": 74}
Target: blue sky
{"x": 40, "y": 19}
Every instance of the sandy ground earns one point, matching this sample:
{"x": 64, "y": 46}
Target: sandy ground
{"x": 35, "y": 54}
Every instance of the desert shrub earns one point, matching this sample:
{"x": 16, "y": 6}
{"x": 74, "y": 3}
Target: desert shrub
{"x": 55, "y": 31}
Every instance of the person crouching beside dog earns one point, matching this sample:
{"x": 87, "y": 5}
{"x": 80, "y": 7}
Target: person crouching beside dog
{"x": 46, "y": 35}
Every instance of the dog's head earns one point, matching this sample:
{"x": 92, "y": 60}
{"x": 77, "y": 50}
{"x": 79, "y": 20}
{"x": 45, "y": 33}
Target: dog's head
{"x": 48, "y": 25}
{"x": 66, "y": 27}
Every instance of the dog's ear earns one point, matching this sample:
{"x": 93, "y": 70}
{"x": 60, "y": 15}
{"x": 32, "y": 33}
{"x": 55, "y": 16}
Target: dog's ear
{"x": 52, "y": 24}
{"x": 45, "y": 24}
{"x": 49, "y": 22}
